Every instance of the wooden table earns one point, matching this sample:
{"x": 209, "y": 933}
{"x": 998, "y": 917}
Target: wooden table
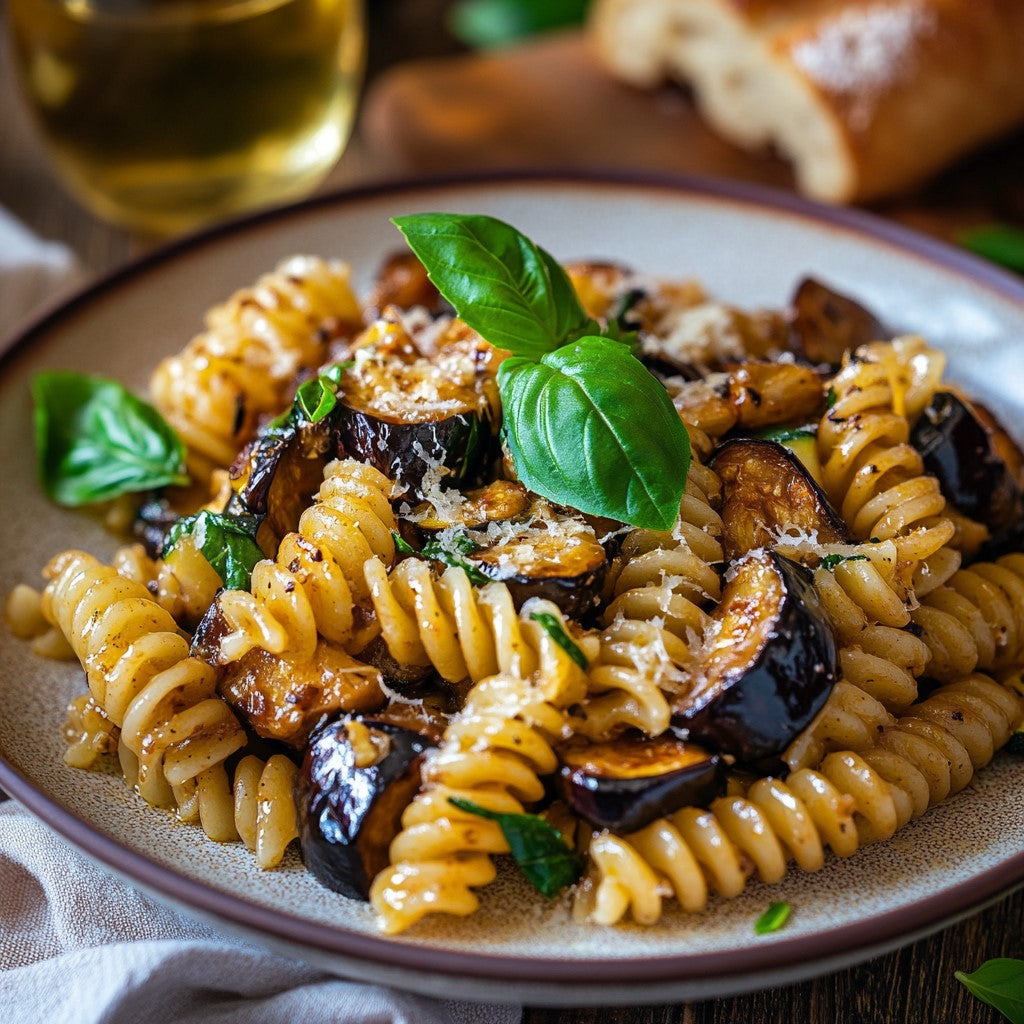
{"x": 542, "y": 99}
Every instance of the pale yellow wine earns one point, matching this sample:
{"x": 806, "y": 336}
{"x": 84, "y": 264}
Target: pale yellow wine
{"x": 162, "y": 114}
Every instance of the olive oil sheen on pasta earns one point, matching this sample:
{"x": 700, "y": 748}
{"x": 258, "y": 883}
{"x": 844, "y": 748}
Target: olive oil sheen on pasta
{"x": 163, "y": 114}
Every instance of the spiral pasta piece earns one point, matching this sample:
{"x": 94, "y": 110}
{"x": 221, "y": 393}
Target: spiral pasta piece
{"x": 869, "y": 469}
{"x": 255, "y": 344}
{"x": 315, "y": 586}
{"x": 656, "y": 613}
{"x": 160, "y": 709}
{"x": 850, "y": 800}
{"x": 975, "y": 619}
{"x": 493, "y": 754}
{"x": 694, "y": 852}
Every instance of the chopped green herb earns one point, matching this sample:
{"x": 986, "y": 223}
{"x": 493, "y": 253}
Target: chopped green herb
{"x": 781, "y": 434}
{"x": 997, "y": 242}
{"x": 553, "y": 628}
{"x": 451, "y": 553}
{"x": 538, "y": 847}
{"x": 228, "y": 543}
{"x": 315, "y": 399}
{"x": 831, "y": 397}
{"x": 484, "y": 24}
{"x": 1000, "y": 983}
{"x": 95, "y": 440}
{"x": 402, "y": 546}
{"x": 569, "y": 394}
{"x": 773, "y": 918}
{"x": 831, "y": 561}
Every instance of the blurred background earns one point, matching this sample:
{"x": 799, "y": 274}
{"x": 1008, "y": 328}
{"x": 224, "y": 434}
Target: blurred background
{"x": 460, "y": 85}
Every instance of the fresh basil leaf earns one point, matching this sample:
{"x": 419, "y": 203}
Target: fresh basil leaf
{"x": 96, "y": 440}
{"x": 402, "y": 546}
{"x": 1000, "y": 983}
{"x": 538, "y": 848}
{"x": 772, "y": 919}
{"x": 588, "y": 426}
{"x": 314, "y": 399}
{"x": 228, "y": 543}
{"x": 507, "y": 288}
{"x": 553, "y": 628}
{"x": 831, "y": 561}
{"x": 997, "y": 242}
{"x": 484, "y": 24}
{"x": 450, "y": 554}
{"x": 831, "y": 397}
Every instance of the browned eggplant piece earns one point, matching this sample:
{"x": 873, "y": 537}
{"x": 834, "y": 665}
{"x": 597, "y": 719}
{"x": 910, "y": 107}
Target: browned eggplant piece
{"x": 825, "y": 324}
{"x": 277, "y": 475}
{"x": 768, "y": 664}
{"x": 767, "y": 394}
{"x": 356, "y": 779}
{"x": 765, "y": 489}
{"x": 423, "y": 422}
{"x": 403, "y": 282}
{"x": 977, "y": 464}
{"x": 547, "y": 554}
{"x": 284, "y": 700}
{"x": 631, "y": 781}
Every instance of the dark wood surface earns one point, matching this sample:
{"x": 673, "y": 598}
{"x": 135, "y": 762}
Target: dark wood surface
{"x": 534, "y": 108}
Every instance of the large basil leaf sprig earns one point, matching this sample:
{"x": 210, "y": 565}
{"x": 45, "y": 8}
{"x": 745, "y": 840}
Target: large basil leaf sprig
{"x": 95, "y": 440}
{"x": 587, "y": 425}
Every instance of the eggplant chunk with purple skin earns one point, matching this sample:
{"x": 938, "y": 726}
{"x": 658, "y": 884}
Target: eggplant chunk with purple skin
{"x": 425, "y": 422}
{"x": 546, "y": 553}
{"x": 356, "y": 779}
{"x": 978, "y": 466}
{"x": 277, "y": 475}
{"x": 765, "y": 490}
{"x": 629, "y": 782}
{"x": 825, "y": 324}
{"x": 767, "y": 665}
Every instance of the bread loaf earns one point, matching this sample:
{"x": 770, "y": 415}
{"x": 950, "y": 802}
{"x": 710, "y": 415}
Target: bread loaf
{"x": 866, "y": 97}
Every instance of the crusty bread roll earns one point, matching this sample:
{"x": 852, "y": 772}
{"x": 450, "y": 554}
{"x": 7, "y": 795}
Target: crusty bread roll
{"x": 866, "y": 97}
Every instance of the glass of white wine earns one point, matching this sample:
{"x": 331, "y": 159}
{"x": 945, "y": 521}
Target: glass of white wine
{"x": 166, "y": 114}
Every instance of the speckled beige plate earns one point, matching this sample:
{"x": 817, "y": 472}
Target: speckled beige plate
{"x": 748, "y": 247}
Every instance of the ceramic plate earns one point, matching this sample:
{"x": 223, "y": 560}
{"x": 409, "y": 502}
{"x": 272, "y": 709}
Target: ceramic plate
{"x": 749, "y": 247}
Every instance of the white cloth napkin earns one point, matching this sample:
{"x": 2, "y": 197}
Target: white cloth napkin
{"x": 33, "y": 273}
{"x": 78, "y": 946}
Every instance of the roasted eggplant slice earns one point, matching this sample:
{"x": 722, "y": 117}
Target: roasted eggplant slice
{"x": 768, "y": 664}
{"x": 403, "y": 282}
{"x": 826, "y": 324}
{"x": 977, "y": 464}
{"x": 627, "y": 783}
{"x": 767, "y": 489}
{"x": 425, "y": 422}
{"x": 277, "y": 475}
{"x": 284, "y": 700}
{"x": 767, "y": 394}
{"x": 547, "y": 553}
{"x": 356, "y": 779}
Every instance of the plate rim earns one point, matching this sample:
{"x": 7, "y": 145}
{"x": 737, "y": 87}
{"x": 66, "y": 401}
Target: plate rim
{"x": 904, "y": 924}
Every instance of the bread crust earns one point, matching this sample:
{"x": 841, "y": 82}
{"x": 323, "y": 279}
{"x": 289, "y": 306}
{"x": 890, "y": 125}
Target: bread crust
{"x": 866, "y": 97}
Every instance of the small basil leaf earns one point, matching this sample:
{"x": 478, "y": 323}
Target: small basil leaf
{"x": 402, "y": 546}
{"x": 831, "y": 561}
{"x": 588, "y": 426}
{"x": 782, "y": 434}
{"x": 772, "y": 919}
{"x": 450, "y": 554}
{"x": 997, "y": 243}
{"x": 507, "y": 288}
{"x": 553, "y": 628}
{"x": 831, "y": 397}
{"x": 538, "y": 848}
{"x": 1000, "y": 983}
{"x": 228, "y": 543}
{"x": 95, "y": 440}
